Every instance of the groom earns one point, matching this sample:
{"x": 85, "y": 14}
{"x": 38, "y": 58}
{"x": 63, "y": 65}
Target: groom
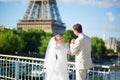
{"x": 81, "y": 48}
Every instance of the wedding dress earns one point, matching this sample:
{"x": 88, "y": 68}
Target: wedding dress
{"x": 56, "y": 61}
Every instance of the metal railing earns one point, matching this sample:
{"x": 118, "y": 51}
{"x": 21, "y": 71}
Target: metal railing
{"x": 26, "y": 68}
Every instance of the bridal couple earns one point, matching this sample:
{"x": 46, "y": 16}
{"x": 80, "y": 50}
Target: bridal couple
{"x": 56, "y": 56}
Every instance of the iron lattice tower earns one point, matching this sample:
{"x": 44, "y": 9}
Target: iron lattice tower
{"x": 42, "y": 14}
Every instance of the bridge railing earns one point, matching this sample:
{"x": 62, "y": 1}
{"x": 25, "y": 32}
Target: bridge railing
{"x": 26, "y": 68}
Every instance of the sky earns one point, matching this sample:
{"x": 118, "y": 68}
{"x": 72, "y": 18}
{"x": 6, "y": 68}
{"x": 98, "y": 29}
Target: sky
{"x": 100, "y": 18}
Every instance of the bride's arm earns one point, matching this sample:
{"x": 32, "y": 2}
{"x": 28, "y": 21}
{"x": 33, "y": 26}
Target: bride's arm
{"x": 68, "y": 50}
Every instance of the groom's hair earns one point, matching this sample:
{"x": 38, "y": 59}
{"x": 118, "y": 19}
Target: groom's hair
{"x": 78, "y": 28}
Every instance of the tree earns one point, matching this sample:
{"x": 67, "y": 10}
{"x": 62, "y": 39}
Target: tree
{"x": 44, "y": 43}
{"x": 68, "y": 35}
{"x": 110, "y": 51}
{"x": 32, "y": 39}
{"x": 98, "y": 47}
{"x": 10, "y": 42}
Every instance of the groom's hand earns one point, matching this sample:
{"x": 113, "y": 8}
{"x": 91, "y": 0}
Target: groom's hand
{"x": 73, "y": 41}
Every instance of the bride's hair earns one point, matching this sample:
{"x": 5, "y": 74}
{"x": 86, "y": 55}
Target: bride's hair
{"x": 58, "y": 35}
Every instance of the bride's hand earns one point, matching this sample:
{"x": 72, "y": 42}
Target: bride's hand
{"x": 73, "y": 41}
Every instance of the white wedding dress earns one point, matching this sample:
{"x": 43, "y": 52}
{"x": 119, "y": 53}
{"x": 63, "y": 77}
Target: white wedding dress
{"x": 56, "y": 61}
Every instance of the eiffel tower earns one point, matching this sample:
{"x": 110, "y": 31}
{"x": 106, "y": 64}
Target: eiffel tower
{"x": 42, "y": 14}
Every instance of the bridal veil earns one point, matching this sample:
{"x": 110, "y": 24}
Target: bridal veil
{"x": 50, "y": 59}
{"x": 56, "y": 61}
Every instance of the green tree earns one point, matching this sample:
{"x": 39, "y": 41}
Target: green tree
{"x": 98, "y": 47}
{"x": 35, "y": 40}
{"x": 10, "y": 42}
{"x": 32, "y": 39}
{"x": 44, "y": 43}
{"x": 68, "y": 35}
{"x": 110, "y": 51}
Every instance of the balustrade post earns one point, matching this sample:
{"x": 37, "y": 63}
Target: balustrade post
{"x": 17, "y": 70}
{"x": 93, "y": 76}
{"x": 88, "y": 76}
{"x": 44, "y": 73}
{"x": 0, "y": 67}
{"x": 109, "y": 75}
{"x": 73, "y": 75}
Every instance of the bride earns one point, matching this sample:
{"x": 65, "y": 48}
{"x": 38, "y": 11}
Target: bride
{"x": 56, "y": 59}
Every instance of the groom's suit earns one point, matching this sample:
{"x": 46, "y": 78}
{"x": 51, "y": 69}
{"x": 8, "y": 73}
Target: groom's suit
{"x": 81, "y": 48}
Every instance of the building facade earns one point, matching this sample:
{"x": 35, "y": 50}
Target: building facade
{"x": 42, "y": 14}
{"x": 113, "y": 43}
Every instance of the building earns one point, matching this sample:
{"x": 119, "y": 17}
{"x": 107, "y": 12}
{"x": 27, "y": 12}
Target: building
{"x": 42, "y": 14}
{"x": 113, "y": 43}
{"x": 6, "y": 28}
{"x": 2, "y": 27}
